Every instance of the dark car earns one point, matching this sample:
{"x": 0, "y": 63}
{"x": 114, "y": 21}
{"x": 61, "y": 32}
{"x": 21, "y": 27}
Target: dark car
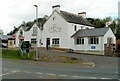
{"x": 3, "y": 45}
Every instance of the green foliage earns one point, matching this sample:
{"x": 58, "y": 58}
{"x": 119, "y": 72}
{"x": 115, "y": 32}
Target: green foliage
{"x": 109, "y": 22}
{"x": 40, "y": 20}
{"x": 28, "y": 24}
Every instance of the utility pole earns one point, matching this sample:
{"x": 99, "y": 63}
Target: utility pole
{"x": 37, "y": 32}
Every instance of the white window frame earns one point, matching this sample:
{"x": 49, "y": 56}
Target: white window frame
{"x": 79, "y": 41}
{"x": 55, "y": 41}
{"x": 34, "y": 30}
{"x": 93, "y": 40}
{"x": 109, "y": 40}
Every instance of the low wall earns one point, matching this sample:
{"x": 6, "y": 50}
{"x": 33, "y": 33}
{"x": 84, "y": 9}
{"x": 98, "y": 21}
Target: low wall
{"x": 90, "y": 52}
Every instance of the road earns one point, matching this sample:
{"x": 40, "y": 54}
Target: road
{"x": 105, "y": 68}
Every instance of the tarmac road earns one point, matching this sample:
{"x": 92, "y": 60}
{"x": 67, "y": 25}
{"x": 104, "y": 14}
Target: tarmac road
{"x": 22, "y": 69}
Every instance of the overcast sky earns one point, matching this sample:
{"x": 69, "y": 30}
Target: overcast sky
{"x": 14, "y": 12}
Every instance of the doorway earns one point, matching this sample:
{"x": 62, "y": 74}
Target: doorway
{"x": 47, "y": 43}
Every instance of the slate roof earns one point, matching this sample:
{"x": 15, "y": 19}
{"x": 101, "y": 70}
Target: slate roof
{"x": 4, "y": 37}
{"x": 73, "y": 18}
{"x": 90, "y": 32}
{"x": 29, "y": 27}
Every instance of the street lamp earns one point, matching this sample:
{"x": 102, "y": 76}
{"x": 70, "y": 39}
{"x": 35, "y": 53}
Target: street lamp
{"x": 37, "y": 31}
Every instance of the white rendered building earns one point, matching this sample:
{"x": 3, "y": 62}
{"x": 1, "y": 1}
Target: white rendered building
{"x": 64, "y": 30}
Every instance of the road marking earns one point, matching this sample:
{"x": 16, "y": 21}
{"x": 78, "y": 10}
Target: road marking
{"x": 92, "y": 77}
{"x": 38, "y": 73}
{"x": 50, "y": 74}
{"x": 27, "y": 71}
{"x": 63, "y": 75}
{"x": 5, "y": 74}
{"x": 82, "y": 77}
{"x": 13, "y": 71}
{"x": 76, "y": 76}
{"x": 106, "y": 78}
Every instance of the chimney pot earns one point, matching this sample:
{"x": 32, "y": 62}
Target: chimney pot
{"x": 83, "y": 14}
{"x": 56, "y": 7}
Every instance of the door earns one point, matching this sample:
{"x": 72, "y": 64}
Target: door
{"x": 47, "y": 43}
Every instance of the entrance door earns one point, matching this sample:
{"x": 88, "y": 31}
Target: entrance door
{"x": 47, "y": 43}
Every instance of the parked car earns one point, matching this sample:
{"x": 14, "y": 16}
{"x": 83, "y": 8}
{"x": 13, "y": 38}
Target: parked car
{"x": 3, "y": 45}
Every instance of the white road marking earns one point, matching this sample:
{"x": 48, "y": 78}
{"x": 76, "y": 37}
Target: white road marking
{"x": 82, "y": 77}
{"x": 76, "y": 76}
{"x": 5, "y": 74}
{"x": 50, "y": 74}
{"x": 106, "y": 78}
{"x": 38, "y": 73}
{"x": 63, "y": 75}
{"x": 27, "y": 71}
{"x": 92, "y": 77}
{"x": 13, "y": 71}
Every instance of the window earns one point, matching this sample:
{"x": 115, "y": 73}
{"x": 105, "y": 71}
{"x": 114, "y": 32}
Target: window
{"x": 82, "y": 27}
{"x": 93, "y": 40}
{"x": 21, "y": 33}
{"x": 35, "y": 30}
{"x": 33, "y": 41}
{"x": 109, "y": 40}
{"x": 79, "y": 41}
{"x": 75, "y": 27}
{"x": 10, "y": 42}
{"x": 55, "y": 41}
{"x": 54, "y": 18}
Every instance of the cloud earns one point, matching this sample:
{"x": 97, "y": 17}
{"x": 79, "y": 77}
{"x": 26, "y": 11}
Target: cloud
{"x": 14, "y": 12}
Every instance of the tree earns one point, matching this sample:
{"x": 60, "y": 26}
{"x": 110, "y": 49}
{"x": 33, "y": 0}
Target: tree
{"x": 98, "y": 23}
{"x": 115, "y": 26}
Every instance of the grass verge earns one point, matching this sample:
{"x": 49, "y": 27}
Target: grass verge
{"x": 16, "y": 54}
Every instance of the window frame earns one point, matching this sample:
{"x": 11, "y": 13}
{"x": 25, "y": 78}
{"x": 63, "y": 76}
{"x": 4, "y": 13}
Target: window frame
{"x": 33, "y": 42}
{"x": 34, "y": 30}
{"x": 93, "y": 40}
{"x": 55, "y": 41}
{"x": 75, "y": 27}
{"x": 80, "y": 41}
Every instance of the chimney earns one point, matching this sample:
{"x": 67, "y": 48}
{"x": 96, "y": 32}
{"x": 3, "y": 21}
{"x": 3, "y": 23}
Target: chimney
{"x": 56, "y": 7}
{"x": 83, "y": 14}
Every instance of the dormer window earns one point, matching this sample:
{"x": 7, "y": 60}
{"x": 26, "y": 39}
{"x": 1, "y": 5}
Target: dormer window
{"x": 21, "y": 33}
{"x": 34, "y": 30}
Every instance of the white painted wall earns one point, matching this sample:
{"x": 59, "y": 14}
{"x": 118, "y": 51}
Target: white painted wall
{"x": 17, "y": 36}
{"x": 109, "y": 34}
{"x": 67, "y": 30}
{"x": 100, "y": 46}
{"x": 71, "y": 31}
{"x": 27, "y": 34}
{"x": 87, "y": 46}
{"x": 62, "y": 34}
